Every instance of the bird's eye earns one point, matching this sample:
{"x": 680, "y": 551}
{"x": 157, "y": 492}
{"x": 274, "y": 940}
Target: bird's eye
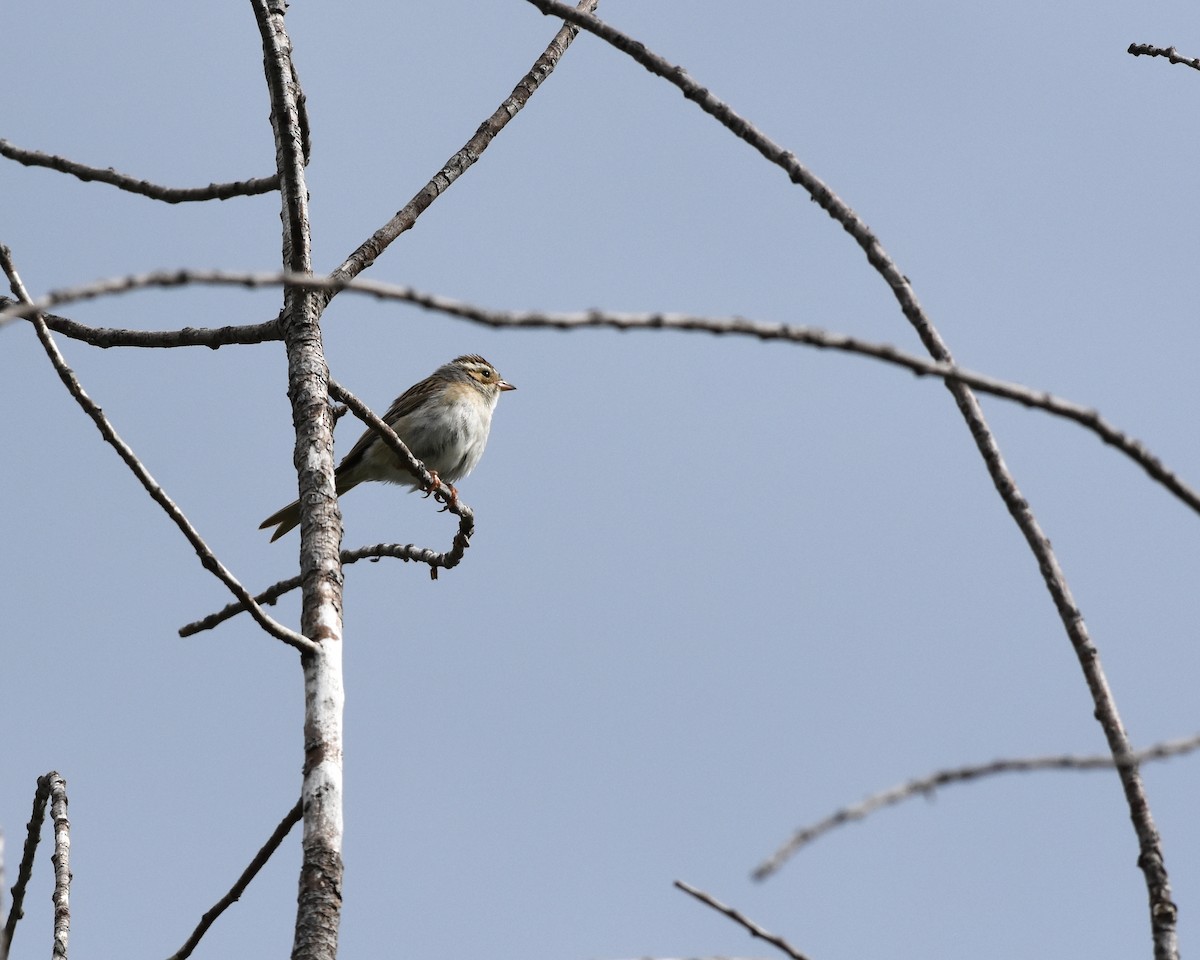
{"x": 485, "y": 373}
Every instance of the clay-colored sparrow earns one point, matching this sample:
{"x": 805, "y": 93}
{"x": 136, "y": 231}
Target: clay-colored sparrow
{"x": 444, "y": 420}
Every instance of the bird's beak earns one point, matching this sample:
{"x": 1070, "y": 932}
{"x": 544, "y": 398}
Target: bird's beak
{"x": 504, "y": 385}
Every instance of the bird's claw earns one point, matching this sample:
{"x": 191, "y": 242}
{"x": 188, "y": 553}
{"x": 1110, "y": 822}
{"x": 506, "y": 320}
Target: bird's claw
{"x": 448, "y": 503}
{"x": 434, "y": 480}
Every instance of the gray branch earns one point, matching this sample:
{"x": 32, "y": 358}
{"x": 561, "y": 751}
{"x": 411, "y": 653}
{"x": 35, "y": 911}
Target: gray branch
{"x": 123, "y": 181}
{"x": 1163, "y": 911}
{"x": 1086, "y": 417}
{"x": 208, "y": 559}
{"x": 928, "y": 785}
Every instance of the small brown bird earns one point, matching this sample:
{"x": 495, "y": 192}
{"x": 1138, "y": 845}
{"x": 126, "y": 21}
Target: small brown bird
{"x": 444, "y": 420}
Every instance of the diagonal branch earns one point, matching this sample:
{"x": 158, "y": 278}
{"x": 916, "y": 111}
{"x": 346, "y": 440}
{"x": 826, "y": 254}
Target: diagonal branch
{"x": 123, "y": 181}
{"x": 291, "y": 818}
{"x": 1163, "y": 911}
{"x": 207, "y": 558}
{"x": 1148, "y": 50}
{"x": 457, "y": 165}
{"x": 749, "y": 925}
{"x": 33, "y": 835}
{"x": 927, "y": 786}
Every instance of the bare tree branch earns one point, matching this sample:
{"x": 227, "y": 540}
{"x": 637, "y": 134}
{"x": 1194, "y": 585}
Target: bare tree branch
{"x": 105, "y": 337}
{"x": 235, "y": 892}
{"x": 319, "y": 902}
{"x": 33, "y": 835}
{"x": 1146, "y": 50}
{"x": 1086, "y": 417}
{"x": 457, "y": 165}
{"x": 753, "y": 928}
{"x": 208, "y": 559}
{"x": 394, "y": 551}
{"x": 316, "y": 931}
{"x": 61, "y": 858}
{"x": 926, "y": 786}
{"x": 123, "y": 181}
{"x": 1163, "y": 911}
{"x": 811, "y": 336}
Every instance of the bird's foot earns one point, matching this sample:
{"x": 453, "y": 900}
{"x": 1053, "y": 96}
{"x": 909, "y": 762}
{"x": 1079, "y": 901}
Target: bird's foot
{"x": 450, "y": 502}
{"x": 434, "y": 480}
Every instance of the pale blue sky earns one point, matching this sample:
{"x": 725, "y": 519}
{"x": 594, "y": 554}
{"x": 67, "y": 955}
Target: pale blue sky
{"x": 719, "y": 587}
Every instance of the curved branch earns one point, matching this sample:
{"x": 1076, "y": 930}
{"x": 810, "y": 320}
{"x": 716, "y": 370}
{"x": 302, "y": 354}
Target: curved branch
{"x": 1163, "y": 911}
{"x": 1086, "y": 417}
{"x": 395, "y": 551}
{"x": 123, "y": 181}
{"x": 926, "y": 786}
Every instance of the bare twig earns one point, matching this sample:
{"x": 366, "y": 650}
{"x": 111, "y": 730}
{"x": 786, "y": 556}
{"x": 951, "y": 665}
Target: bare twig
{"x": 753, "y": 928}
{"x": 457, "y": 165}
{"x": 33, "y": 834}
{"x": 926, "y": 786}
{"x": 1163, "y": 912}
{"x": 809, "y": 336}
{"x": 394, "y": 551}
{"x": 61, "y": 858}
{"x": 214, "y": 191}
{"x": 1147, "y": 50}
{"x": 207, "y": 558}
{"x": 105, "y": 337}
{"x": 235, "y": 892}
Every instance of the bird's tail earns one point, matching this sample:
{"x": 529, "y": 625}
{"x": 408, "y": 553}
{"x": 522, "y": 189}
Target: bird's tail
{"x": 286, "y": 519}
{"x": 289, "y": 517}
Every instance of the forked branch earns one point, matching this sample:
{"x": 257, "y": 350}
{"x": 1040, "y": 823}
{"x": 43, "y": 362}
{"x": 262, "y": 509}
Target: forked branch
{"x": 208, "y": 559}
